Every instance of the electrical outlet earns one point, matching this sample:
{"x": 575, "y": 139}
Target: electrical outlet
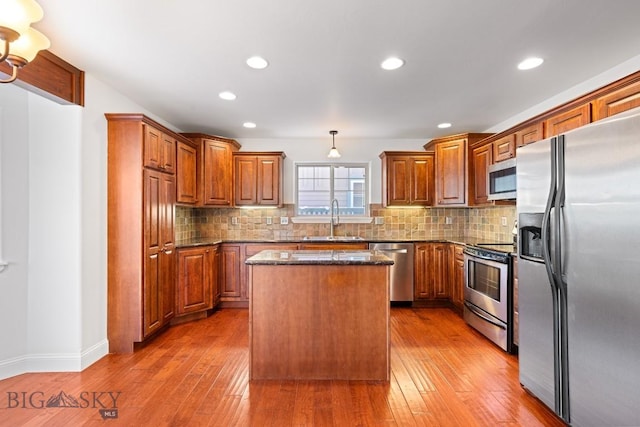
{"x": 379, "y": 220}
{"x": 269, "y": 220}
{"x": 503, "y": 220}
{"x": 448, "y": 220}
{"x": 284, "y": 220}
{"x": 234, "y": 220}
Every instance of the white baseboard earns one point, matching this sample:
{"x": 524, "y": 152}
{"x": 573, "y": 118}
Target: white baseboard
{"x": 55, "y": 362}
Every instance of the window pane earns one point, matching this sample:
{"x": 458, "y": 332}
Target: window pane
{"x": 318, "y": 185}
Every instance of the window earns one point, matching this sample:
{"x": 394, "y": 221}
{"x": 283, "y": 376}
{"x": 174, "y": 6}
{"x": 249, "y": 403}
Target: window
{"x": 318, "y": 184}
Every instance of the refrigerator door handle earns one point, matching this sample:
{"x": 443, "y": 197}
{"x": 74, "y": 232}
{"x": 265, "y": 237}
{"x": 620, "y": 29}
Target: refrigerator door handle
{"x": 546, "y": 217}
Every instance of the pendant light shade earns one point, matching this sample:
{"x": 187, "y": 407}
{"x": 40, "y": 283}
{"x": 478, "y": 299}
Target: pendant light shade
{"x": 333, "y": 153}
{"x": 19, "y": 42}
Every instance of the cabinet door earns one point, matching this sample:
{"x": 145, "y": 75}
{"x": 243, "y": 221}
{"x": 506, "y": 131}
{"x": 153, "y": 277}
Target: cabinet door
{"x": 481, "y": 157}
{"x": 215, "y": 275}
{"x": 398, "y": 181}
{"x": 195, "y": 279}
{"x": 156, "y": 268}
{"x": 268, "y": 181}
{"x": 230, "y": 272}
{"x": 186, "y": 178}
{"x": 168, "y": 153}
{"x": 167, "y": 254}
{"x": 245, "y": 180}
{"x": 451, "y": 172}
{"x": 152, "y": 147}
{"x": 456, "y": 261}
{"x": 422, "y": 288}
{"x": 530, "y": 134}
{"x": 618, "y": 101}
{"x": 422, "y": 183}
{"x": 504, "y": 148}
{"x": 440, "y": 263}
{"x": 216, "y": 176}
{"x": 568, "y": 120}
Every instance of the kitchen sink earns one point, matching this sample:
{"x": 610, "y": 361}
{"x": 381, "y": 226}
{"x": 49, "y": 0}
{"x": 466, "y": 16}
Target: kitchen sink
{"x": 333, "y": 238}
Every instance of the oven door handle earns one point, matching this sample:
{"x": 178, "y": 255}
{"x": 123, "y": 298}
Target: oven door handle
{"x": 475, "y": 311}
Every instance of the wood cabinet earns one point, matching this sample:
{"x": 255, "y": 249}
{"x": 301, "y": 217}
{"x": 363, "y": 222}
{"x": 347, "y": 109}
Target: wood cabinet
{"x": 431, "y": 272}
{"x": 407, "y": 178}
{"x": 504, "y": 148}
{"x": 197, "y": 279}
{"x": 456, "y": 260}
{"x": 159, "y": 149}
{"x": 568, "y": 120}
{"x": 215, "y": 165}
{"x": 186, "y": 173}
{"x": 529, "y": 134}
{"x": 258, "y": 178}
{"x": 140, "y": 230}
{"x": 158, "y": 289}
{"x": 231, "y": 270}
{"x": 618, "y": 101}
{"x": 481, "y": 159}
{"x": 452, "y": 171}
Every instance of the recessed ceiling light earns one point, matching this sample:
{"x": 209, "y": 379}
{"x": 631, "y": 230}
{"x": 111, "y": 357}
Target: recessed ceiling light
{"x": 444, "y": 125}
{"x": 392, "y": 63}
{"x": 530, "y": 63}
{"x": 229, "y": 96}
{"x": 249, "y": 125}
{"x": 257, "y": 62}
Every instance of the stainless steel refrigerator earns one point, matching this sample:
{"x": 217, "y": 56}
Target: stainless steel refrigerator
{"x": 578, "y": 205}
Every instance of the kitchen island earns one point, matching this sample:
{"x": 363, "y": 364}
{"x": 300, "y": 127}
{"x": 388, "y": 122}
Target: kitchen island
{"x": 319, "y": 315}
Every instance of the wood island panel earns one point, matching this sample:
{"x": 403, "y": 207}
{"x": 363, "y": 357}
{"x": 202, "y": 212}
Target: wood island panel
{"x": 319, "y": 322}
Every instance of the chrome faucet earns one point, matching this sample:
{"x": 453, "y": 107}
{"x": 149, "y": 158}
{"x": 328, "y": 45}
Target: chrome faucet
{"x": 335, "y": 214}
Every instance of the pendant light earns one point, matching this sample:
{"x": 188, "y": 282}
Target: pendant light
{"x": 333, "y": 153}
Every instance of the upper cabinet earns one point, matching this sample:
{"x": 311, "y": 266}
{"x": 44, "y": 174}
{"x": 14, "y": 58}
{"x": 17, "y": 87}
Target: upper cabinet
{"x": 618, "y": 101}
{"x": 159, "y": 149}
{"x": 407, "y": 178}
{"x": 214, "y": 169}
{"x": 452, "y": 168}
{"x": 481, "y": 159}
{"x": 529, "y": 134}
{"x": 504, "y": 148}
{"x": 187, "y": 173}
{"x": 257, "y": 178}
{"x": 568, "y": 120}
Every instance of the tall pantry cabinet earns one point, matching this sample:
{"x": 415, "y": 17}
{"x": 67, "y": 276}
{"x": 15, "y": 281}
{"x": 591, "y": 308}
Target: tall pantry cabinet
{"x": 141, "y": 212}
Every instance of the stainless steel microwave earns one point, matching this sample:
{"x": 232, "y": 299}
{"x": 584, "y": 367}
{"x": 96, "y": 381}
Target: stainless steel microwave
{"x": 502, "y": 180}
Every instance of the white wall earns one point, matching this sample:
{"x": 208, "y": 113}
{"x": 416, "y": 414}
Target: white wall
{"x": 53, "y": 295}
{"x": 14, "y": 231}
{"x": 315, "y": 150}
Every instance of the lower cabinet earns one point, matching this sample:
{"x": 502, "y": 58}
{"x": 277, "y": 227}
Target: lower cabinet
{"x": 456, "y": 258}
{"x": 197, "y": 285}
{"x": 431, "y": 272}
{"x": 234, "y": 274}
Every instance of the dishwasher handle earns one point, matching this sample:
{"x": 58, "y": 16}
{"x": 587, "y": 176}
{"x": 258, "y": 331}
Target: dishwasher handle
{"x": 393, "y": 251}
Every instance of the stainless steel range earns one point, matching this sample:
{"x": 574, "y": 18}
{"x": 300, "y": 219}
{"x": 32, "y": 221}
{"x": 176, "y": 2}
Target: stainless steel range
{"x": 488, "y": 305}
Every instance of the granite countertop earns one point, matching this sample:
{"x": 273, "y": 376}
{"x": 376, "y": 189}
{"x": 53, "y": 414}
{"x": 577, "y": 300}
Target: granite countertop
{"x": 319, "y": 257}
{"x": 507, "y": 247}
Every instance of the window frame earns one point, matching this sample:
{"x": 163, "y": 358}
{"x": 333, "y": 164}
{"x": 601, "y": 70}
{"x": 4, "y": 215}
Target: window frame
{"x": 344, "y": 218}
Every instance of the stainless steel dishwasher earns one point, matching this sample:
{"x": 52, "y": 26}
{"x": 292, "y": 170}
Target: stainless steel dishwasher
{"x": 401, "y": 270}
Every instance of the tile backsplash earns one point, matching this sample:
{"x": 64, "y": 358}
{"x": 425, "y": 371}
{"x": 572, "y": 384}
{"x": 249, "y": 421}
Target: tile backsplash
{"x": 397, "y": 224}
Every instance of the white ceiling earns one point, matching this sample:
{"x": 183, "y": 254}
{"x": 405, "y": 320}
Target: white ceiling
{"x": 173, "y": 57}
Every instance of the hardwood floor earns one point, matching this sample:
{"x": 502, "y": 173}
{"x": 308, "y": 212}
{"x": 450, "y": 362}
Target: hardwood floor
{"x": 443, "y": 373}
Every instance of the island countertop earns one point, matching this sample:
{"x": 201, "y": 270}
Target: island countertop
{"x": 319, "y": 257}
